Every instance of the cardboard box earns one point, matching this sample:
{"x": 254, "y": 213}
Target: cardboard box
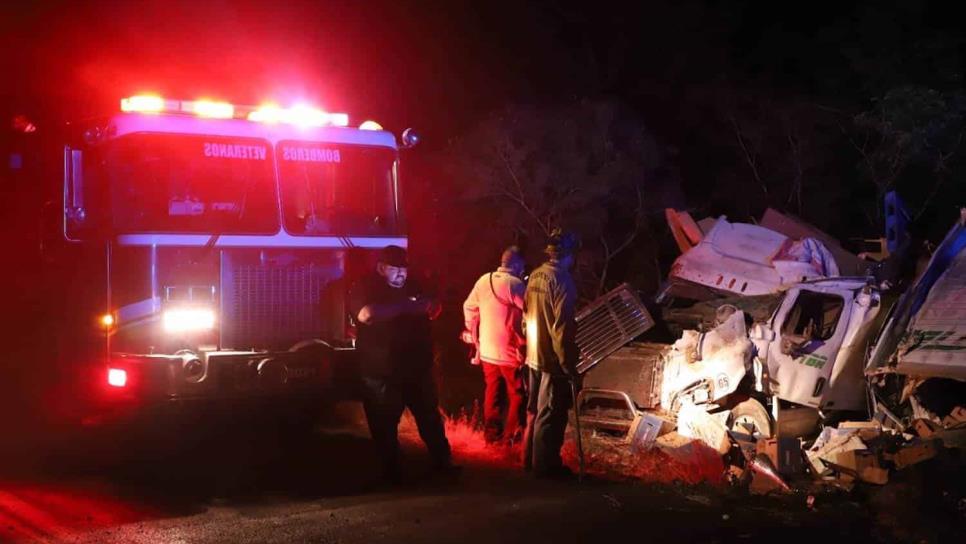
{"x": 874, "y": 475}
{"x": 925, "y": 428}
{"x": 955, "y": 418}
{"x": 861, "y": 464}
{"x": 785, "y": 454}
{"x": 916, "y": 452}
{"x": 769, "y": 447}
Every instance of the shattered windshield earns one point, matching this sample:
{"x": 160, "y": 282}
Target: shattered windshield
{"x": 337, "y": 189}
{"x": 182, "y": 183}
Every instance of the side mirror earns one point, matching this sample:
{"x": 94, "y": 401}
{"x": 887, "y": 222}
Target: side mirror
{"x": 83, "y": 200}
{"x": 75, "y": 214}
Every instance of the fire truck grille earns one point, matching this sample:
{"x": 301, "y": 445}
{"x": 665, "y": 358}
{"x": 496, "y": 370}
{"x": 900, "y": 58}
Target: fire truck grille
{"x": 272, "y": 306}
{"x": 608, "y": 323}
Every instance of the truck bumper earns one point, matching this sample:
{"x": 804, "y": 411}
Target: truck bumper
{"x": 219, "y": 382}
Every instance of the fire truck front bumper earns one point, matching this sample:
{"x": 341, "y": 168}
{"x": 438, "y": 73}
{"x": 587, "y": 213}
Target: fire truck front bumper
{"x": 169, "y": 384}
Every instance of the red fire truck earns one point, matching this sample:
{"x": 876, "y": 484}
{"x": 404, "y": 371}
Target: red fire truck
{"x": 213, "y": 245}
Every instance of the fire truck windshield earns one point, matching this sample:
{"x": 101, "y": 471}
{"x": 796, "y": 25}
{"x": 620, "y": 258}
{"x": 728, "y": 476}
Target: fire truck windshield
{"x": 187, "y": 183}
{"x": 337, "y": 188}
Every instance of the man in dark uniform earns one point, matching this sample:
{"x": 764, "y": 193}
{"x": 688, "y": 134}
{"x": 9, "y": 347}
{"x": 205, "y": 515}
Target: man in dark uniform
{"x": 552, "y": 356}
{"x": 396, "y": 359}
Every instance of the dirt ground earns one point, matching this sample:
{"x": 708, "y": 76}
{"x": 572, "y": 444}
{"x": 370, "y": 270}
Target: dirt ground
{"x": 260, "y": 485}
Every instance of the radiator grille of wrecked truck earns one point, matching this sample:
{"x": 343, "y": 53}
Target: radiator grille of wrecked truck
{"x": 608, "y": 323}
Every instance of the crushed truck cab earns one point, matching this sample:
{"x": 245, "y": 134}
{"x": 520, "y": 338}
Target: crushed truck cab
{"x": 809, "y": 352}
{"x": 812, "y": 350}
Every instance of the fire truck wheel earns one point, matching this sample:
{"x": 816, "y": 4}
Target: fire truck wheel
{"x": 750, "y": 417}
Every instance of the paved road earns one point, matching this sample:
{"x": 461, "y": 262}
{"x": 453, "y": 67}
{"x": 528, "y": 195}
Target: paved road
{"x": 256, "y": 486}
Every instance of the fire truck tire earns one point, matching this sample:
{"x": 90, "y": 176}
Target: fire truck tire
{"x": 750, "y": 417}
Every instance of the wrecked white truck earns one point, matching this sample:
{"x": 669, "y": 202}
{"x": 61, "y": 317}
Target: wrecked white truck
{"x": 804, "y": 362}
{"x": 811, "y": 352}
{"x": 917, "y": 370}
{"x": 807, "y": 350}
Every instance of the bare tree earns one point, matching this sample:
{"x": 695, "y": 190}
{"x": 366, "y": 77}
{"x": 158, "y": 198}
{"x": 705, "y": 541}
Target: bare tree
{"x": 909, "y": 125}
{"x": 588, "y": 166}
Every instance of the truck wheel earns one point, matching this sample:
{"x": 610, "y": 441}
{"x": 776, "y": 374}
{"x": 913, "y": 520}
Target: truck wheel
{"x": 750, "y": 417}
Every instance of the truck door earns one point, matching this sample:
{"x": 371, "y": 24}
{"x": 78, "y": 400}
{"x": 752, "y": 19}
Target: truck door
{"x": 809, "y": 329}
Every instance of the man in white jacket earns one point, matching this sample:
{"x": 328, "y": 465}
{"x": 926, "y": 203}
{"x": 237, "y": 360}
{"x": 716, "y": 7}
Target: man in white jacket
{"x": 493, "y": 314}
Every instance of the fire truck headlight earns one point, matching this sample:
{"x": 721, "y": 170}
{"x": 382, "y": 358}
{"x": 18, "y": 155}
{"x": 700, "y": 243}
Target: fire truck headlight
{"x": 188, "y": 320}
{"x": 116, "y": 377}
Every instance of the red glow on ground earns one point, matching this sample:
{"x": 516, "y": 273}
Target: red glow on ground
{"x": 43, "y": 513}
{"x": 696, "y": 465}
{"x": 466, "y": 439}
{"x": 608, "y": 459}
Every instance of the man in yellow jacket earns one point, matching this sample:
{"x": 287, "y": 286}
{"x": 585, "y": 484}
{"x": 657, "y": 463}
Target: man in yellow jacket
{"x": 552, "y": 356}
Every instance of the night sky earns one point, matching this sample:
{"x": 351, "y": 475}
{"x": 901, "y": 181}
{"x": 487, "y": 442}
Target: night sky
{"x": 439, "y": 64}
{"x": 442, "y": 66}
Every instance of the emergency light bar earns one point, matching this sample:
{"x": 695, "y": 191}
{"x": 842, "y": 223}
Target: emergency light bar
{"x": 301, "y": 115}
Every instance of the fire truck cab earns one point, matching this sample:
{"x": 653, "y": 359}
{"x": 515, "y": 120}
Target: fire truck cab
{"x": 227, "y": 237}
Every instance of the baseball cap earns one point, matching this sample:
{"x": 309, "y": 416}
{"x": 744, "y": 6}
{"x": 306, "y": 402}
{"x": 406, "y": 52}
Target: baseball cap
{"x": 393, "y": 256}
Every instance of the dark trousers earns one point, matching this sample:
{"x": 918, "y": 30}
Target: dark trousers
{"x": 504, "y": 388}
{"x": 550, "y": 400}
{"x": 384, "y": 400}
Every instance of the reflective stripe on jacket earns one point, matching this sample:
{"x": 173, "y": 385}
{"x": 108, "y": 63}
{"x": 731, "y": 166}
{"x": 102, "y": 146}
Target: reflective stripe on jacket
{"x": 551, "y": 303}
{"x": 497, "y": 310}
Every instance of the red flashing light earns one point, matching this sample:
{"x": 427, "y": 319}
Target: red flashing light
{"x": 268, "y": 113}
{"x": 217, "y": 110}
{"x": 143, "y": 103}
{"x": 301, "y": 114}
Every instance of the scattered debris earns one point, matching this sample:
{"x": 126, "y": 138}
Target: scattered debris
{"x": 748, "y": 259}
{"x": 925, "y": 428}
{"x": 766, "y": 478}
{"x": 646, "y": 429}
{"x": 693, "y": 422}
{"x": 612, "y": 500}
{"x": 912, "y": 453}
{"x": 700, "y": 499}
